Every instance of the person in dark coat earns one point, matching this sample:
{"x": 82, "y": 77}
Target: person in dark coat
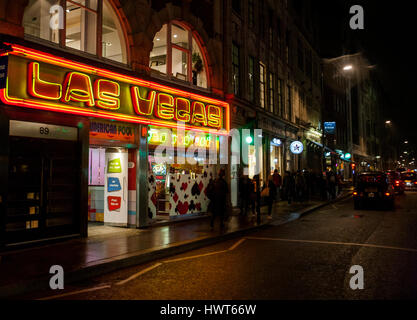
{"x": 271, "y": 197}
{"x": 288, "y": 186}
{"x": 257, "y": 192}
{"x": 244, "y": 194}
{"x": 221, "y": 189}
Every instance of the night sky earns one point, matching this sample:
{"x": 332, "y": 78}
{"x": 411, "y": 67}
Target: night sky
{"x": 388, "y": 42}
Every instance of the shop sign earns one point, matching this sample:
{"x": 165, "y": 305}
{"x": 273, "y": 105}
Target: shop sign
{"x": 114, "y": 203}
{"x": 112, "y": 130}
{"x": 184, "y": 139}
{"x": 330, "y": 127}
{"x": 113, "y": 184}
{"x": 42, "y": 130}
{"x": 276, "y": 142}
{"x": 297, "y": 147}
{"x": 114, "y": 166}
{"x": 46, "y": 82}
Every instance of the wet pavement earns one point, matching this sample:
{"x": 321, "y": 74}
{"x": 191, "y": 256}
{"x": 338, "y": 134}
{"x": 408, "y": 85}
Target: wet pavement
{"x": 19, "y": 266}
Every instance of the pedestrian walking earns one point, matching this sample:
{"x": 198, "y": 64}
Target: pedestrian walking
{"x": 299, "y": 186}
{"x": 221, "y": 190}
{"x": 331, "y": 183}
{"x": 257, "y": 193}
{"x": 270, "y": 197}
{"x": 288, "y": 186}
{"x": 307, "y": 185}
{"x": 278, "y": 182}
{"x": 244, "y": 194}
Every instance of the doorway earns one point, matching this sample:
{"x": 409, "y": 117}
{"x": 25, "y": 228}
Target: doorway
{"x": 43, "y": 183}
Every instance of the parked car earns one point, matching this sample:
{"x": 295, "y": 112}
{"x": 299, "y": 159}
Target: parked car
{"x": 410, "y": 180}
{"x": 395, "y": 179}
{"x": 373, "y": 188}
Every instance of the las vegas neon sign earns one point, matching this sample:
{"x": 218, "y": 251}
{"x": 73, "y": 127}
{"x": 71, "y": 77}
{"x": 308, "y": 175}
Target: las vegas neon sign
{"x": 57, "y": 84}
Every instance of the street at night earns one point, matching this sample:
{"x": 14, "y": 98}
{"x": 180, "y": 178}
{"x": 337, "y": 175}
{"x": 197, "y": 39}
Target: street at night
{"x": 306, "y": 259}
{"x": 193, "y": 151}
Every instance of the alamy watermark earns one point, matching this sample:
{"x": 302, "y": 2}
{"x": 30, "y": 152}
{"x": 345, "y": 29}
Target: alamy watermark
{"x": 357, "y": 21}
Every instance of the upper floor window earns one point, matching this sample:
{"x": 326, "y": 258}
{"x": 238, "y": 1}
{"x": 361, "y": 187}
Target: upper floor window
{"x": 90, "y": 26}
{"x": 262, "y": 83}
{"x": 235, "y": 69}
{"x": 177, "y": 54}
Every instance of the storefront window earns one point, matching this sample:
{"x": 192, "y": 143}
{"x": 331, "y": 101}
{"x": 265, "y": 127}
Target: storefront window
{"x": 176, "y": 53}
{"x": 178, "y": 185}
{"x": 45, "y": 19}
{"x": 276, "y": 156}
{"x": 36, "y": 20}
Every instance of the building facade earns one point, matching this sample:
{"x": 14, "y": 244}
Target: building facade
{"x": 273, "y": 84}
{"x": 91, "y": 87}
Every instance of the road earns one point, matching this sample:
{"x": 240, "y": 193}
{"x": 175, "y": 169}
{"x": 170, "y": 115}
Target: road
{"x": 309, "y": 258}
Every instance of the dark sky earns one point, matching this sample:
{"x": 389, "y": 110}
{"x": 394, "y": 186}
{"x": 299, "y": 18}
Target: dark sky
{"x": 388, "y": 41}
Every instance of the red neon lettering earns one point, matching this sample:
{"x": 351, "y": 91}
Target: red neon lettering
{"x": 78, "y": 88}
{"x": 40, "y": 88}
{"x": 142, "y": 106}
{"x": 165, "y": 106}
{"x": 106, "y": 93}
{"x": 199, "y": 113}
{"x": 214, "y": 115}
{"x": 182, "y": 112}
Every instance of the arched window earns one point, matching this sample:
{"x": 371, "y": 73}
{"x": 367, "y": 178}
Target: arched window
{"x": 177, "y": 54}
{"x": 87, "y": 25}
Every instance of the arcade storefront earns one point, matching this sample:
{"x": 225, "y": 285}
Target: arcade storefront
{"x": 80, "y": 145}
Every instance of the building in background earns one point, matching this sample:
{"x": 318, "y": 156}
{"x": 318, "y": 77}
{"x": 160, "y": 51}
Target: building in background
{"x": 273, "y": 83}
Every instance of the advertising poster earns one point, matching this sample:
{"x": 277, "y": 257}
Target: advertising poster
{"x": 116, "y": 187}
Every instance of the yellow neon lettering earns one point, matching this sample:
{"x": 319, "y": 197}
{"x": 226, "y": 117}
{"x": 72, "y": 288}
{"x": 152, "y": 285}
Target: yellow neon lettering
{"x": 78, "y": 88}
{"x": 39, "y": 88}
{"x": 142, "y": 106}
{"x": 165, "y": 107}
{"x": 106, "y": 93}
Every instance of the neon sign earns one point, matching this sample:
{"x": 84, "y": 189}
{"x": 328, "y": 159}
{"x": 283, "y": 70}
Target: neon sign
{"x": 46, "y": 82}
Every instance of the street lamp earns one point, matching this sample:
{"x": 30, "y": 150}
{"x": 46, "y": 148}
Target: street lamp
{"x": 348, "y": 67}
{"x": 388, "y": 122}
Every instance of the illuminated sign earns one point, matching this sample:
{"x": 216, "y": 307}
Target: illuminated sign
{"x": 330, "y": 127}
{"x": 297, "y": 147}
{"x": 112, "y": 131}
{"x": 185, "y": 139}
{"x": 46, "y": 82}
{"x": 276, "y": 142}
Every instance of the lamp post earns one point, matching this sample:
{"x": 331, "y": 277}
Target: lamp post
{"x": 349, "y": 68}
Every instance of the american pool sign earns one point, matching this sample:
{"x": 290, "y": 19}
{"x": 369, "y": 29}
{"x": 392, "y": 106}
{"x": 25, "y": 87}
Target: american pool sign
{"x": 42, "y": 81}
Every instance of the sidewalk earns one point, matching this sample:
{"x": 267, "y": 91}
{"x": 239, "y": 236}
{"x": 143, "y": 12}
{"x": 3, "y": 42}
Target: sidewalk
{"x": 27, "y": 270}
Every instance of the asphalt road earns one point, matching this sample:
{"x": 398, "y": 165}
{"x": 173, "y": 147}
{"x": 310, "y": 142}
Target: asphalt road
{"x": 309, "y": 258}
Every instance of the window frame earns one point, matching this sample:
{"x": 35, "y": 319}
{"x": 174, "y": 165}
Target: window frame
{"x": 99, "y": 29}
{"x": 262, "y": 85}
{"x": 236, "y": 69}
{"x": 271, "y": 92}
{"x": 251, "y": 78}
{"x": 168, "y": 74}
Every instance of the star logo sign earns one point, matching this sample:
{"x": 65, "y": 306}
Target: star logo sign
{"x": 297, "y": 147}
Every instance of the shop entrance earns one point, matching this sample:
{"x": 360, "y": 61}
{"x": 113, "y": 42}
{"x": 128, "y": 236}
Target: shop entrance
{"x": 111, "y": 177}
{"x": 42, "y": 198}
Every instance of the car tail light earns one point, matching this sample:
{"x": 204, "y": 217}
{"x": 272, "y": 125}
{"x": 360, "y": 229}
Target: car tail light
{"x": 415, "y": 182}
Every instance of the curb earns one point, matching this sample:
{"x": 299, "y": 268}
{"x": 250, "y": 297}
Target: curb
{"x": 136, "y": 258}
{"x": 319, "y": 206}
{"x": 124, "y": 261}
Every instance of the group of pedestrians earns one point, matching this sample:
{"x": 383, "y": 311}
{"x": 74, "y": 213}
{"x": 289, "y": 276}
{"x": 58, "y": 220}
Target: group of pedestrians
{"x": 296, "y": 186}
{"x": 252, "y": 192}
